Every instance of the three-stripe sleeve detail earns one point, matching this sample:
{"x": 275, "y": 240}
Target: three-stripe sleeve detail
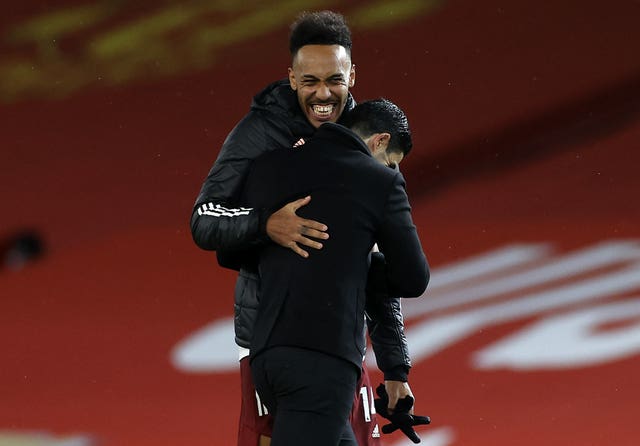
{"x": 215, "y": 210}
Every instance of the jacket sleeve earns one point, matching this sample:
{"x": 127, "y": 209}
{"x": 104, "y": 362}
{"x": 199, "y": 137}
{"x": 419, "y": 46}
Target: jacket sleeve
{"x": 403, "y": 270}
{"x": 385, "y": 325}
{"x": 217, "y": 220}
{"x": 406, "y": 268}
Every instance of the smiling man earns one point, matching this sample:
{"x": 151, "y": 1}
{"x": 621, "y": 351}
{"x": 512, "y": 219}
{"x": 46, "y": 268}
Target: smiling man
{"x": 322, "y": 91}
{"x": 282, "y": 115}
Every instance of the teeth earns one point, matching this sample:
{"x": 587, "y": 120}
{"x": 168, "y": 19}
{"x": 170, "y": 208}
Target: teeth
{"x": 323, "y": 110}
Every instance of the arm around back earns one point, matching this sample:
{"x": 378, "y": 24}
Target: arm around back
{"x": 217, "y": 220}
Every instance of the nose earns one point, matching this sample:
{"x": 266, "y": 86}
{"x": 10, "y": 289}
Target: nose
{"x": 323, "y": 92}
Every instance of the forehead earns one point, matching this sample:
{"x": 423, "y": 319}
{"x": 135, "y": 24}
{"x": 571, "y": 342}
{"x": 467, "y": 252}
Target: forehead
{"x": 321, "y": 60}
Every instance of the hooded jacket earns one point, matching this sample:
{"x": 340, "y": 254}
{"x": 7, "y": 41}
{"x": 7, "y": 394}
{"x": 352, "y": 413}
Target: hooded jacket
{"x": 275, "y": 121}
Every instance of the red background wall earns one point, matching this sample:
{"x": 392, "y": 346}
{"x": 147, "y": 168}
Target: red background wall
{"x": 526, "y": 128}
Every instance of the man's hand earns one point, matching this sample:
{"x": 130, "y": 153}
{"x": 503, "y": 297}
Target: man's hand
{"x": 288, "y": 230}
{"x": 401, "y": 416}
{"x": 396, "y": 390}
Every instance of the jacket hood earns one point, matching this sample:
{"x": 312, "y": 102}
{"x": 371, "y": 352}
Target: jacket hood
{"x": 277, "y": 97}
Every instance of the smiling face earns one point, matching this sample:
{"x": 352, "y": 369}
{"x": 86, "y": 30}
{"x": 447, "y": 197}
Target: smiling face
{"x": 321, "y": 75}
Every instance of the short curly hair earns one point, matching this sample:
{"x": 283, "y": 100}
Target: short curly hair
{"x": 319, "y": 28}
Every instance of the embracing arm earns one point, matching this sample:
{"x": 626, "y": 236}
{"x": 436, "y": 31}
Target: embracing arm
{"x": 216, "y": 221}
{"x": 219, "y": 223}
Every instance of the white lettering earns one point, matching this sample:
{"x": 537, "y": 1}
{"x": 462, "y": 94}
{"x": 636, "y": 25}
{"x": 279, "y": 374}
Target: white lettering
{"x": 486, "y": 287}
{"x": 568, "y": 340}
{"x": 210, "y": 349}
{"x": 434, "y": 335}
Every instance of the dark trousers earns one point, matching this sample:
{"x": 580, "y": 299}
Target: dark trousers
{"x": 309, "y": 393}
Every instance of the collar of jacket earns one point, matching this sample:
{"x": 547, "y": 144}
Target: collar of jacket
{"x": 336, "y": 133}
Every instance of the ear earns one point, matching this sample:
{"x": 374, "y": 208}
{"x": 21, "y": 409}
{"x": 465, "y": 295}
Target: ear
{"x": 292, "y": 79}
{"x": 352, "y": 76}
{"x": 380, "y": 142}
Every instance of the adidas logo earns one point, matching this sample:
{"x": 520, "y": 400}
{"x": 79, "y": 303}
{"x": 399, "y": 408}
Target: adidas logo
{"x": 376, "y": 432}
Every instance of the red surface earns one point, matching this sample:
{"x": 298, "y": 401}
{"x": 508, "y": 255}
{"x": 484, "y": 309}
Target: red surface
{"x": 526, "y": 128}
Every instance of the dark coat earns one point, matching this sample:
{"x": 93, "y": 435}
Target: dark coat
{"x": 319, "y": 302}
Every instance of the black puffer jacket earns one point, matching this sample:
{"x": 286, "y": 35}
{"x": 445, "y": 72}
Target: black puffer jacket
{"x": 219, "y": 223}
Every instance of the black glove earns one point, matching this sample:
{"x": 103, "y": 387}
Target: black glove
{"x": 400, "y": 418}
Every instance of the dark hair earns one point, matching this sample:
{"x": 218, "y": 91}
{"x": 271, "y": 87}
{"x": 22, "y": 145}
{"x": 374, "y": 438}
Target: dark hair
{"x": 319, "y": 28}
{"x": 381, "y": 116}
